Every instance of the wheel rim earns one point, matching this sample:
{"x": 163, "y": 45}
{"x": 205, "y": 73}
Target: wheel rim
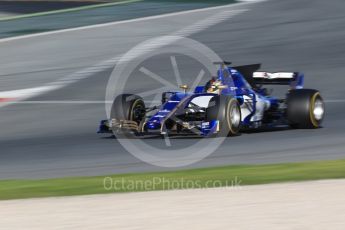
{"x": 319, "y": 109}
{"x": 138, "y": 112}
{"x": 235, "y": 116}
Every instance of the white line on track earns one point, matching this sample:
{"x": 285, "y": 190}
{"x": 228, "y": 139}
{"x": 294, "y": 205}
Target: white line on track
{"x": 335, "y": 101}
{"x": 103, "y": 102}
{"x": 62, "y": 102}
{"x": 10, "y": 97}
{"x": 243, "y": 2}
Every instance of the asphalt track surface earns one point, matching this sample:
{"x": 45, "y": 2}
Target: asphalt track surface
{"x": 97, "y": 15}
{"x": 57, "y": 140}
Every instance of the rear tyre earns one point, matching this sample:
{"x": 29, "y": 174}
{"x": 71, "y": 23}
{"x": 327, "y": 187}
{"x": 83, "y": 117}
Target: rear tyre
{"x": 227, "y": 111}
{"x": 128, "y": 107}
{"x": 305, "y": 109}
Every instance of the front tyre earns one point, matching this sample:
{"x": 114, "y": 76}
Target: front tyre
{"x": 305, "y": 108}
{"x": 227, "y": 111}
{"x": 129, "y": 107}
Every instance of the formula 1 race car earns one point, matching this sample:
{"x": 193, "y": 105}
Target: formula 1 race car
{"x": 234, "y": 100}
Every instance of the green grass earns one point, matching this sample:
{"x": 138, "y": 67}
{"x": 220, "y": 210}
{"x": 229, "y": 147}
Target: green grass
{"x": 197, "y": 178}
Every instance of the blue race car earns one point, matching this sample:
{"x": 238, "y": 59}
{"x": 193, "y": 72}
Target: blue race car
{"x": 234, "y": 100}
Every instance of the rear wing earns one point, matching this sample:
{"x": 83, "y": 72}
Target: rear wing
{"x": 294, "y": 79}
{"x": 256, "y": 78}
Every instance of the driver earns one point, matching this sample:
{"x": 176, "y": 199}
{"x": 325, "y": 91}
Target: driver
{"x": 212, "y": 85}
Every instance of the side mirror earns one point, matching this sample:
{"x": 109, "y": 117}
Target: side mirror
{"x": 166, "y": 96}
{"x": 184, "y": 87}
